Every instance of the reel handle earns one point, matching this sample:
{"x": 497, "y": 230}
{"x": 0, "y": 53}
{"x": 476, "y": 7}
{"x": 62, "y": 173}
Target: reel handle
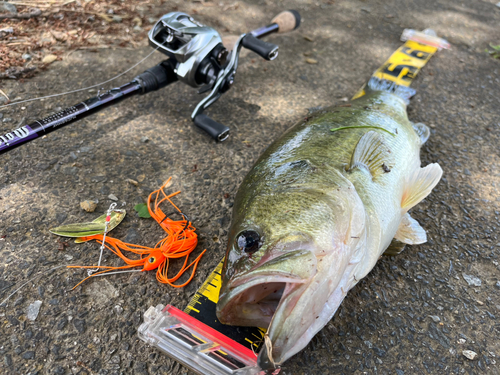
{"x": 284, "y": 22}
{"x": 266, "y": 50}
{"x": 216, "y": 130}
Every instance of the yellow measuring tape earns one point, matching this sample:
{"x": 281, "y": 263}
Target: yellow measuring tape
{"x": 401, "y": 68}
{"x": 202, "y": 307}
{"x": 403, "y": 65}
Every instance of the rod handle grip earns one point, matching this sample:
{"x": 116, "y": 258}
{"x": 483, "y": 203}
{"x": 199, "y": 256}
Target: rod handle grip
{"x": 288, "y": 20}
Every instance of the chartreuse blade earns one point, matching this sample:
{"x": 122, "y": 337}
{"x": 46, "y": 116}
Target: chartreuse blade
{"x": 78, "y": 229}
{"x": 116, "y": 218}
{"x": 97, "y": 226}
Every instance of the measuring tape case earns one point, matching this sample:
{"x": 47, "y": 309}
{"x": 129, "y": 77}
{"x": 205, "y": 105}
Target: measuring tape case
{"x": 196, "y": 345}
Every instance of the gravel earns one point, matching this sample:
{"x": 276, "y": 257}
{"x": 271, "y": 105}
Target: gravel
{"x": 33, "y": 310}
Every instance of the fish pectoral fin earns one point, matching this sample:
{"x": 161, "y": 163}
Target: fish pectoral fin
{"x": 372, "y": 153}
{"x": 422, "y": 131}
{"x": 410, "y": 232}
{"x": 395, "y": 248}
{"x": 420, "y": 185}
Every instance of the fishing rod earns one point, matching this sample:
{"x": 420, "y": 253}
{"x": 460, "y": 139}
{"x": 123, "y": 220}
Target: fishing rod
{"x": 197, "y": 57}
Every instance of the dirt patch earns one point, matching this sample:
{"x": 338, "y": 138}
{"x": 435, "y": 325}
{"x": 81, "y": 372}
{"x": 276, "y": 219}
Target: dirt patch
{"x": 35, "y": 33}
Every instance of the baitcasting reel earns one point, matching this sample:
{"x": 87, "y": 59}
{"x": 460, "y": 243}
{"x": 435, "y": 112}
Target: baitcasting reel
{"x": 197, "y": 48}
{"x": 197, "y": 57}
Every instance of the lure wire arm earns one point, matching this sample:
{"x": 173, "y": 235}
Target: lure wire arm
{"x": 106, "y": 226}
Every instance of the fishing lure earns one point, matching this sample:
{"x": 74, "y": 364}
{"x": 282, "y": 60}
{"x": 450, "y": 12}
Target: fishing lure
{"x": 180, "y": 242}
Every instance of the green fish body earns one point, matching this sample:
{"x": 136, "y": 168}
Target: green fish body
{"x": 316, "y": 212}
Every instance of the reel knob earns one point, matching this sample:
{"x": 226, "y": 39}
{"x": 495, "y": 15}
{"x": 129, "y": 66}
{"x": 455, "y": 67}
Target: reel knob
{"x": 216, "y": 130}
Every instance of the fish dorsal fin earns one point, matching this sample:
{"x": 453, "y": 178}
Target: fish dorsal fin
{"x": 372, "y": 153}
{"x": 420, "y": 185}
{"x": 422, "y": 131}
{"x": 395, "y": 248}
{"x": 410, "y": 232}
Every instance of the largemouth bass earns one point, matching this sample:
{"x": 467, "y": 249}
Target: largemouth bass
{"x": 317, "y": 211}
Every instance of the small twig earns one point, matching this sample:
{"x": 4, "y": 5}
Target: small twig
{"x": 229, "y": 7}
{"x": 29, "y": 4}
{"x": 34, "y": 12}
{"x": 18, "y": 44}
{"x": 4, "y": 94}
{"x": 81, "y": 364}
{"x": 5, "y": 42}
{"x": 102, "y": 15}
{"x": 39, "y": 4}
{"x": 102, "y": 47}
{"x": 92, "y": 47}
{"x": 14, "y": 73}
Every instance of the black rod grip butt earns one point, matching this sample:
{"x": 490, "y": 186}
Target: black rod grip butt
{"x": 266, "y": 50}
{"x": 288, "y": 20}
{"x": 216, "y": 130}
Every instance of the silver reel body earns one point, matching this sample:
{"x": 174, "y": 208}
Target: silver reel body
{"x": 189, "y": 42}
{"x": 198, "y": 58}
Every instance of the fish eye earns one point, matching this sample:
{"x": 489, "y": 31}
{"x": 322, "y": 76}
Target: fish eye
{"x": 249, "y": 241}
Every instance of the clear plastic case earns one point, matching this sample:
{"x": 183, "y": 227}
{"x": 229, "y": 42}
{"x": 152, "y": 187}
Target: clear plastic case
{"x": 427, "y": 37}
{"x": 196, "y": 345}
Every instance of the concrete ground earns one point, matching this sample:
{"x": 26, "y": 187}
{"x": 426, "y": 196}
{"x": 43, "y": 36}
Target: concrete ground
{"x": 413, "y": 314}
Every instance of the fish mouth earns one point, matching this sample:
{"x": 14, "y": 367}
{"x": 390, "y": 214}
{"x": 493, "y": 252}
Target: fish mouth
{"x": 255, "y": 300}
{"x": 262, "y": 302}
{"x": 251, "y": 299}
{"x": 270, "y": 288}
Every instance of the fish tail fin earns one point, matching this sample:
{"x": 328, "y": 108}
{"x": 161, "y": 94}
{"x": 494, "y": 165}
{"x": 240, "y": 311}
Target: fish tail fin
{"x": 377, "y": 84}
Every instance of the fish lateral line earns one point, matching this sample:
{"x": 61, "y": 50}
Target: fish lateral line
{"x": 363, "y": 127}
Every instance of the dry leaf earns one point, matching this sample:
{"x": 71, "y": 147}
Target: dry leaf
{"x": 105, "y": 17}
{"x": 137, "y": 21}
{"x": 49, "y": 59}
{"x": 133, "y": 182}
{"x": 59, "y": 35}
